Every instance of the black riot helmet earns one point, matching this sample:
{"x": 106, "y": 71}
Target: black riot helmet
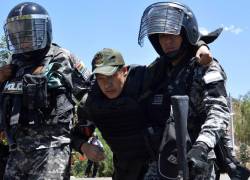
{"x": 28, "y": 28}
{"x": 171, "y": 18}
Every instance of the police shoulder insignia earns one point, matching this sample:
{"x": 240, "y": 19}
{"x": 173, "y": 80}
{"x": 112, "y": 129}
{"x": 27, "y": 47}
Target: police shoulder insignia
{"x": 212, "y": 77}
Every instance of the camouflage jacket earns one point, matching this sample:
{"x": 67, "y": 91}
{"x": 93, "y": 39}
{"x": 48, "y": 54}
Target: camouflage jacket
{"x": 208, "y": 108}
{"x": 47, "y": 122}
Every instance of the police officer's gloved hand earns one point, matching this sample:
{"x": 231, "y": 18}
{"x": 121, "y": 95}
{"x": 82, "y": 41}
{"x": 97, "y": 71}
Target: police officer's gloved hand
{"x": 198, "y": 160}
{"x": 234, "y": 169}
{"x": 238, "y": 172}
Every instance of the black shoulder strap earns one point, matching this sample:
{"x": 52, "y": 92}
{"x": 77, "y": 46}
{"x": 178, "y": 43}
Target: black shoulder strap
{"x": 188, "y": 79}
{"x": 190, "y": 70}
{"x": 155, "y": 77}
{"x": 135, "y": 80}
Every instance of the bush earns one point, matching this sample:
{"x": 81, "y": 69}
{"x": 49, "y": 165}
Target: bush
{"x": 77, "y": 165}
{"x": 244, "y": 154}
{"x": 79, "y": 162}
{"x": 242, "y": 118}
{"x": 106, "y": 166}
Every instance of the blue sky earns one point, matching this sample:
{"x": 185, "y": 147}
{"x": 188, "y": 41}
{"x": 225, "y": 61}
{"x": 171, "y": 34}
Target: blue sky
{"x": 84, "y": 27}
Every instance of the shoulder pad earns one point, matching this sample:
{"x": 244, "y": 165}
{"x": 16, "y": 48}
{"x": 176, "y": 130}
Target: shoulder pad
{"x": 66, "y": 51}
{"x": 56, "y": 50}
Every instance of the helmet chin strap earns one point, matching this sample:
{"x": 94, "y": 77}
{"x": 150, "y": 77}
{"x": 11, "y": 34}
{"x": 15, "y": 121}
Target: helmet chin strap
{"x": 37, "y": 53}
{"x": 174, "y": 55}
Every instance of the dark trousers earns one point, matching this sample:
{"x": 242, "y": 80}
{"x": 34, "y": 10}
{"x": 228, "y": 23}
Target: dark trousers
{"x": 133, "y": 169}
{"x": 4, "y": 152}
{"x": 89, "y": 167}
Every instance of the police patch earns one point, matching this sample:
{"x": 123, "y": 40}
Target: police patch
{"x": 212, "y": 77}
{"x": 13, "y": 88}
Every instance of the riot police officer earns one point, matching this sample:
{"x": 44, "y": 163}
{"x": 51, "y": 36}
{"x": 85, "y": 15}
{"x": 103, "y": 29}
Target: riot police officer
{"x": 173, "y": 30}
{"x": 38, "y": 99}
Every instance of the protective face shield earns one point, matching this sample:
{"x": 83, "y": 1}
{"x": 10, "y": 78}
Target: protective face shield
{"x": 27, "y": 28}
{"x": 169, "y": 18}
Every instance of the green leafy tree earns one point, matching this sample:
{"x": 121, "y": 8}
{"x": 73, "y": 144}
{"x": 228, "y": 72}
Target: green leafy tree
{"x": 78, "y": 165}
{"x": 106, "y": 166}
{"x": 244, "y": 154}
{"x": 4, "y": 52}
{"x": 242, "y": 119}
{"x": 241, "y": 109}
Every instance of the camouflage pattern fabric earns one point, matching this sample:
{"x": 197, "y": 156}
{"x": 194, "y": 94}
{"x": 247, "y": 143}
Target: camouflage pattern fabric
{"x": 42, "y": 164}
{"x": 208, "y": 101}
{"x": 208, "y": 108}
{"x": 209, "y": 113}
{"x": 43, "y": 147}
{"x": 152, "y": 172}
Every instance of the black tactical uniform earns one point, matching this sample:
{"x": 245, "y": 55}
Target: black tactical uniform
{"x": 122, "y": 124}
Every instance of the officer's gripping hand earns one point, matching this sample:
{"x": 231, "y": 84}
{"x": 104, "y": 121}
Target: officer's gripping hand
{"x": 198, "y": 160}
{"x": 6, "y": 72}
{"x": 238, "y": 172}
{"x": 204, "y": 56}
{"x": 93, "y": 152}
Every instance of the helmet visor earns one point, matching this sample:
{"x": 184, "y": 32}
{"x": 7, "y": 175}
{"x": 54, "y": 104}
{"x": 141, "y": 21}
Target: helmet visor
{"x": 26, "y": 33}
{"x": 160, "y": 19}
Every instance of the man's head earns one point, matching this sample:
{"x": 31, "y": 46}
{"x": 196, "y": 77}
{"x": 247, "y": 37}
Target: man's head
{"x": 170, "y": 44}
{"x": 110, "y": 71}
{"x": 28, "y": 28}
{"x": 172, "y": 19}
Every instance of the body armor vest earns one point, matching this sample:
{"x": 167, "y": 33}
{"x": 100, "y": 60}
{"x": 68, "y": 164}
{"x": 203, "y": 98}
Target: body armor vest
{"x": 178, "y": 81}
{"x": 28, "y": 100}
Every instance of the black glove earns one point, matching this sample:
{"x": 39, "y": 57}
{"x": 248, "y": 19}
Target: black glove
{"x": 238, "y": 172}
{"x": 198, "y": 160}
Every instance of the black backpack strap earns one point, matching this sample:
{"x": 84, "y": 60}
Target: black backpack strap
{"x": 190, "y": 78}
